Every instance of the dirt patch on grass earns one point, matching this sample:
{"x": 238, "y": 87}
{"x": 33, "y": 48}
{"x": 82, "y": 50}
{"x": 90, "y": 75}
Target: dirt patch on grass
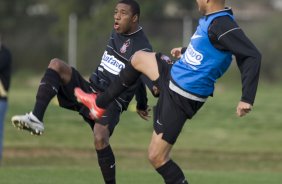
{"x": 47, "y": 152}
{"x": 188, "y": 159}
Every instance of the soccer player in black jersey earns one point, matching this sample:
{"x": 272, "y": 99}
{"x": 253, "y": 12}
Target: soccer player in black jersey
{"x": 60, "y": 80}
{"x": 185, "y": 85}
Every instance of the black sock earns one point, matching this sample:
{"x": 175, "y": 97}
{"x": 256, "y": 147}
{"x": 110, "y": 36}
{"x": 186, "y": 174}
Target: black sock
{"x": 48, "y": 88}
{"x": 106, "y": 160}
{"x": 171, "y": 173}
{"x": 127, "y": 77}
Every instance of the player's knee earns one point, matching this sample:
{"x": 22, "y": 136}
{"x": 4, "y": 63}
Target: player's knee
{"x": 101, "y": 136}
{"x": 63, "y": 69}
{"x": 136, "y": 59}
{"x": 156, "y": 159}
{"x": 101, "y": 141}
{"x": 56, "y": 64}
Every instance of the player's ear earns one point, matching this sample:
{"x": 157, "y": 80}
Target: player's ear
{"x": 135, "y": 18}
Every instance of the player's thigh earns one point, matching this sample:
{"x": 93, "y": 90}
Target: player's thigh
{"x": 169, "y": 117}
{"x": 158, "y": 146}
{"x": 146, "y": 63}
{"x": 66, "y": 95}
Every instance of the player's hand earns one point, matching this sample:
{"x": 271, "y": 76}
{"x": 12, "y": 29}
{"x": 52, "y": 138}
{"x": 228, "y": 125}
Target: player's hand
{"x": 243, "y": 108}
{"x": 144, "y": 114}
{"x": 155, "y": 91}
{"x": 176, "y": 52}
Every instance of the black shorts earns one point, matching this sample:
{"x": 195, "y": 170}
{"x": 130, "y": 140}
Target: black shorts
{"x": 67, "y": 100}
{"x": 172, "y": 109}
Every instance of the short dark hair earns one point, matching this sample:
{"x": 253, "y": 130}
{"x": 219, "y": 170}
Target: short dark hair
{"x": 134, "y": 6}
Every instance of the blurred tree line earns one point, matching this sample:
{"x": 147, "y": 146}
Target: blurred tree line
{"x": 37, "y": 31}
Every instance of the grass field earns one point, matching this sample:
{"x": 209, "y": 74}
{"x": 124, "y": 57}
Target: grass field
{"x": 216, "y": 147}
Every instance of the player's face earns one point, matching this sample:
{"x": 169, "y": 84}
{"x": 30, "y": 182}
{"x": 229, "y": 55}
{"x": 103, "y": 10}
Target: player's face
{"x": 124, "y": 19}
{"x": 202, "y": 6}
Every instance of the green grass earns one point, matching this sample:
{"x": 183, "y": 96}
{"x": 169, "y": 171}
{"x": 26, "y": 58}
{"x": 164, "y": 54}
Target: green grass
{"x": 215, "y": 147}
{"x": 51, "y": 175}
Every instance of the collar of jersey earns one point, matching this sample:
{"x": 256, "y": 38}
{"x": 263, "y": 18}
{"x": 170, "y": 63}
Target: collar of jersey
{"x": 227, "y": 9}
{"x": 139, "y": 29}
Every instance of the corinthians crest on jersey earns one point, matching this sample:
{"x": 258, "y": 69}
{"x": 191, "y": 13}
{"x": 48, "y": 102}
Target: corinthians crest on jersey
{"x": 124, "y": 47}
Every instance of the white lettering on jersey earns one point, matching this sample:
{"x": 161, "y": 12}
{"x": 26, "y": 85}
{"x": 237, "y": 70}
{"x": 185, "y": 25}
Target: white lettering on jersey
{"x": 193, "y": 57}
{"x": 111, "y": 64}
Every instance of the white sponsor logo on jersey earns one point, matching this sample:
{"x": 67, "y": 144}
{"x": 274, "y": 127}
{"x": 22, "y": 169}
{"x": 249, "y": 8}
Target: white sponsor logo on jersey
{"x": 111, "y": 64}
{"x": 193, "y": 57}
{"x": 195, "y": 36}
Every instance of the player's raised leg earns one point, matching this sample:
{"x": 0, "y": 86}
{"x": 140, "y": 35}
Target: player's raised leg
{"x": 57, "y": 73}
{"x": 145, "y": 63}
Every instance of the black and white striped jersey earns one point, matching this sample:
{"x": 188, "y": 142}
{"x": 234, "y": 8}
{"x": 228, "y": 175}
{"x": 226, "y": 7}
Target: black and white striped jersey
{"x": 119, "y": 51}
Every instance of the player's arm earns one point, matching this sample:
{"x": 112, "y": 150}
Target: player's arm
{"x": 230, "y": 37}
{"x": 142, "y": 100}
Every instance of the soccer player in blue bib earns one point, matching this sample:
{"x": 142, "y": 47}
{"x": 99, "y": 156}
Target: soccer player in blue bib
{"x": 185, "y": 85}
{"x": 60, "y": 80}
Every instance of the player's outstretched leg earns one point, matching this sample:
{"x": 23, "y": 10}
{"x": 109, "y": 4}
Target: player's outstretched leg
{"x": 89, "y": 100}
{"x": 28, "y": 122}
{"x": 57, "y": 73}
